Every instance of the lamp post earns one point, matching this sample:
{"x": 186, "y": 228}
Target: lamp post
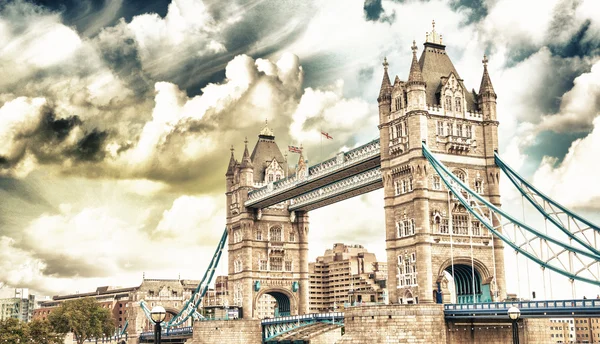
{"x": 157, "y": 314}
{"x": 514, "y": 313}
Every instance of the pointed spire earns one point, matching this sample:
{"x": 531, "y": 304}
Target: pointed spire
{"x": 415, "y": 75}
{"x": 246, "y": 162}
{"x": 231, "y": 166}
{"x": 385, "y": 83}
{"x": 486, "y": 87}
{"x": 266, "y": 132}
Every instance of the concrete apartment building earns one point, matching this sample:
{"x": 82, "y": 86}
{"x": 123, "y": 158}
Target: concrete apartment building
{"x": 345, "y": 275}
{"x": 18, "y": 307}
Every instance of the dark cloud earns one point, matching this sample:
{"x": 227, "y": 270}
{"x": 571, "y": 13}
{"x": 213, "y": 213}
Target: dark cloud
{"x": 90, "y": 147}
{"x": 580, "y": 44}
{"x": 61, "y": 265}
{"x": 549, "y": 143}
{"x": 373, "y": 10}
{"x": 475, "y": 10}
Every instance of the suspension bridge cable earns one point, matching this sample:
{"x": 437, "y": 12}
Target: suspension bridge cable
{"x": 515, "y": 178}
{"x": 445, "y": 173}
{"x": 526, "y": 260}
{"x": 451, "y": 229}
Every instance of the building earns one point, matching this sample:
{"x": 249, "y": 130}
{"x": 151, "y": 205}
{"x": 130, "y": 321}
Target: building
{"x": 431, "y": 239}
{"x": 346, "y": 275}
{"x": 575, "y": 330}
{"x": 19, "y": 307}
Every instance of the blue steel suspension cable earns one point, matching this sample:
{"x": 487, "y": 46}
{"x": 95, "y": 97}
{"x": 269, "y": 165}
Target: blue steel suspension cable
{"x": 442, "y": 171}
{"x": 512, "y": 175}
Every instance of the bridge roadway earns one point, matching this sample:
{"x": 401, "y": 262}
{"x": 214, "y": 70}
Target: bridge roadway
{"x": 346, "y": 175}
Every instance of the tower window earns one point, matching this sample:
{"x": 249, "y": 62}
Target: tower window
{"x": 288, "y": 265}
{"x": 292, "y": 236}
{"x": 478, "y": 186}
{"x": 448, "y": 105}
{"x": 275, "y": 234}
{"x": 276, "y": 264}
{"x": 440, "y": 128}
{"x": 459, "y": 131}
{"x": 258, "y": 234}
{"x": 458, "y": 104}
{"x": 469, "y": 132}
{"x": 398, "y": 103}
{"x": 262, "y": 264}
{"x": 270, "y": 177}
{"x": 437, "y": 183}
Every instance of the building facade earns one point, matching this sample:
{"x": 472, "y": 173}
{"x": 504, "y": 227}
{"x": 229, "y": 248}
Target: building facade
{"x": 574, "y": 330}
{"x": 431, "y": 240}
{"x": 19, "y": 307}
{"x": 268, "y": 248}
{"x": 346, "y": 275}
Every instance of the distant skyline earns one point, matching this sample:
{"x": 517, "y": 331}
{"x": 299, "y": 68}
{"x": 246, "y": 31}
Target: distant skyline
{"x": 116, "y": 119}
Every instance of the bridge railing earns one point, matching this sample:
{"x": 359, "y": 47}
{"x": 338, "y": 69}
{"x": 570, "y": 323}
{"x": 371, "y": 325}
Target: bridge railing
{"x": 182, "y": 331}
{"x": 527, "y": 308}
{"x": 305, "y": 317}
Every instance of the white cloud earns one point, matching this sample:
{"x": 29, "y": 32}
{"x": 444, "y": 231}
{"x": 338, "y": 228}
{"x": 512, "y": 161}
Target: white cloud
{"x": 572, "y": 181}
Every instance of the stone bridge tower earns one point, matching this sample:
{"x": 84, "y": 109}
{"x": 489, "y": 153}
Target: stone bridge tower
{"x": 436, "y": 251}
{"x": 268, "y": 248}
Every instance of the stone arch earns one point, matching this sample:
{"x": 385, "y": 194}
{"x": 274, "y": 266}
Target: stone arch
{"x": 463, "y": 275}
{"x": 287, "y": 303}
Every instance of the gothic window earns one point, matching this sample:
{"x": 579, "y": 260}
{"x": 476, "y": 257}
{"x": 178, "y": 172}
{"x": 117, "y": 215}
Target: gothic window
{"x": 277, "y": 176}
{"x": 262, "y": 265}
{"x": 444, "y": 226}
{"x": 404, "y": 186}
{"x": 405, "y": 228}
{"x": 437, "y": 183}
{"x": 396, "y": 187}
{"x": 398, "y": 103}
{"x": 276, "y": 263}
{"x": 292, "y": 236}
{"x": 288, "y": 265}
{"x": 469, "y": 132}
{"x": 461, "y": 175}
{"x": 460, "y": 224}
{"x": 440, "y": 128}
{"x": 258, "y": 234}
{"x": 237, "y": 265}
{"x": 275, "y": 234}
{"x": 410, "y": 184}
{"x": 476, "y": 227}
{"x": 237, "y": 235}
{"x": 448, "y": 103}
{"x": 399, "y": 130}
{"x": 407, "y": 270}
{"x": 459, "y": 131}
{"x": 458, "y": 104}
{"x": 400, "y": 229}
{"x": 478, "y": 186}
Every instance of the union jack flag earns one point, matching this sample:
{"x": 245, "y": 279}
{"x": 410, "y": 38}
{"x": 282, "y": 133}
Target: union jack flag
{"x": 294, "y": 149}
{"x": 329, "y": 137}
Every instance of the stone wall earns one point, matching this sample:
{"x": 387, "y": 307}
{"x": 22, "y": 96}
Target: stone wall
{"x": 227, "y": 331}
{"x": 328, "y": 337}
{"x": 531, "y": 331}
{"x": 418, "y": 323}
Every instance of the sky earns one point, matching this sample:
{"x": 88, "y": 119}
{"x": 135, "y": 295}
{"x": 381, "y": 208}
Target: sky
{"x": 116, "y": 118}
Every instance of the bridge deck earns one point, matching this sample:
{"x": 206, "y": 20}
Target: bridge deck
{"x": 529, "y": 309}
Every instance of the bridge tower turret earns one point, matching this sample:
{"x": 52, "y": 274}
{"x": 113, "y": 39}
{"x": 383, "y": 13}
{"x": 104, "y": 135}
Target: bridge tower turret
{"x": 429, "y": 235}
{"x": 268, "y": 248}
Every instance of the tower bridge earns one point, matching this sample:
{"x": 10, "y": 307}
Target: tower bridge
{"x": 437, "y": 161}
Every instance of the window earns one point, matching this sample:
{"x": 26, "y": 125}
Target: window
{"x": 448, "y": 105}
{"x": 440, "y": 128}
{"x": 237, "y": 235}
{"x": 398, "y": 103}
{"x": 460, "y": 224}
{"x": 458, "y": 104}
{"x": 262, "y": 264}
{"x": 410, "y": 184}
{"x": 275, "y": 234}
{"x": 437, "y": 183}
{"x": 270, "y": 177}
{"x": 459, "y": 131}
{"x": 237, "y": 266}
{"x": 276, "y": 264}
{"x": 258, "y": 234}
{"x": 469, "y": 133}
{"x": 476, "y": 227}
{"x": 404, "y": 186}
{"x": 277, "y": 176}
{"x": 407, "y": 270}
{"x": 405, "y": 228}
{"x": 288, "y": 265}
{"x": 478, "y": 186}
{"x": 397, "y": 187}
{"x": 461, "y": 175}
{"x": 292, "y": 236}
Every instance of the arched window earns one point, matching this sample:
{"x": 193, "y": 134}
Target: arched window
{"x": 461, "y": 175}
{"x": 448, "y": 105}
{"x": 457, "y": 104}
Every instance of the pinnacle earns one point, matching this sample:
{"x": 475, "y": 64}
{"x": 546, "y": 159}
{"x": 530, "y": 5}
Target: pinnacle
{"x": 415, "y": 74}
{"x": 486, "y": 82}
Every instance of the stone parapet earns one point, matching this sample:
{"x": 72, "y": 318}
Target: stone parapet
{"x": 227, "y": 331}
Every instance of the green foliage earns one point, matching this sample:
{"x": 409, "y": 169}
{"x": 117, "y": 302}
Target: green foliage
{"x": 37, "y": 331}
{"x": 84, "y": 317}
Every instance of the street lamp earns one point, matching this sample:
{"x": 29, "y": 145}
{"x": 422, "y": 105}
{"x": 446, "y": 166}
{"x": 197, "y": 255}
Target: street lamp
{"x": 514, "y": 313}
{"x": 157, "y": 314}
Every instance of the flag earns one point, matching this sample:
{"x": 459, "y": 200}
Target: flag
{"x": 294, "y": 149}
{"x": 329, "y": 137}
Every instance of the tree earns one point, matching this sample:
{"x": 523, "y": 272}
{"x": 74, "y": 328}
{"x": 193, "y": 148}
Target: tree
{"x": 41, "y": 332}
{"x": 13, "y": 331}
{"x": 84, "y": 317}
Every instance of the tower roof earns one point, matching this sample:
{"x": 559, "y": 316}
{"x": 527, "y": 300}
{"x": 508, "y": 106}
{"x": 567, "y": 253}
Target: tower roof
{"x": 486, "y": 82}
{"x": 246, "y": 162}
{"x": 385, "y": 83}
{"x": 436, "y": 64}
{"x": 232, "y": 163}
{"x": 415, "y": 74}
{"x": 264, "y": 152}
